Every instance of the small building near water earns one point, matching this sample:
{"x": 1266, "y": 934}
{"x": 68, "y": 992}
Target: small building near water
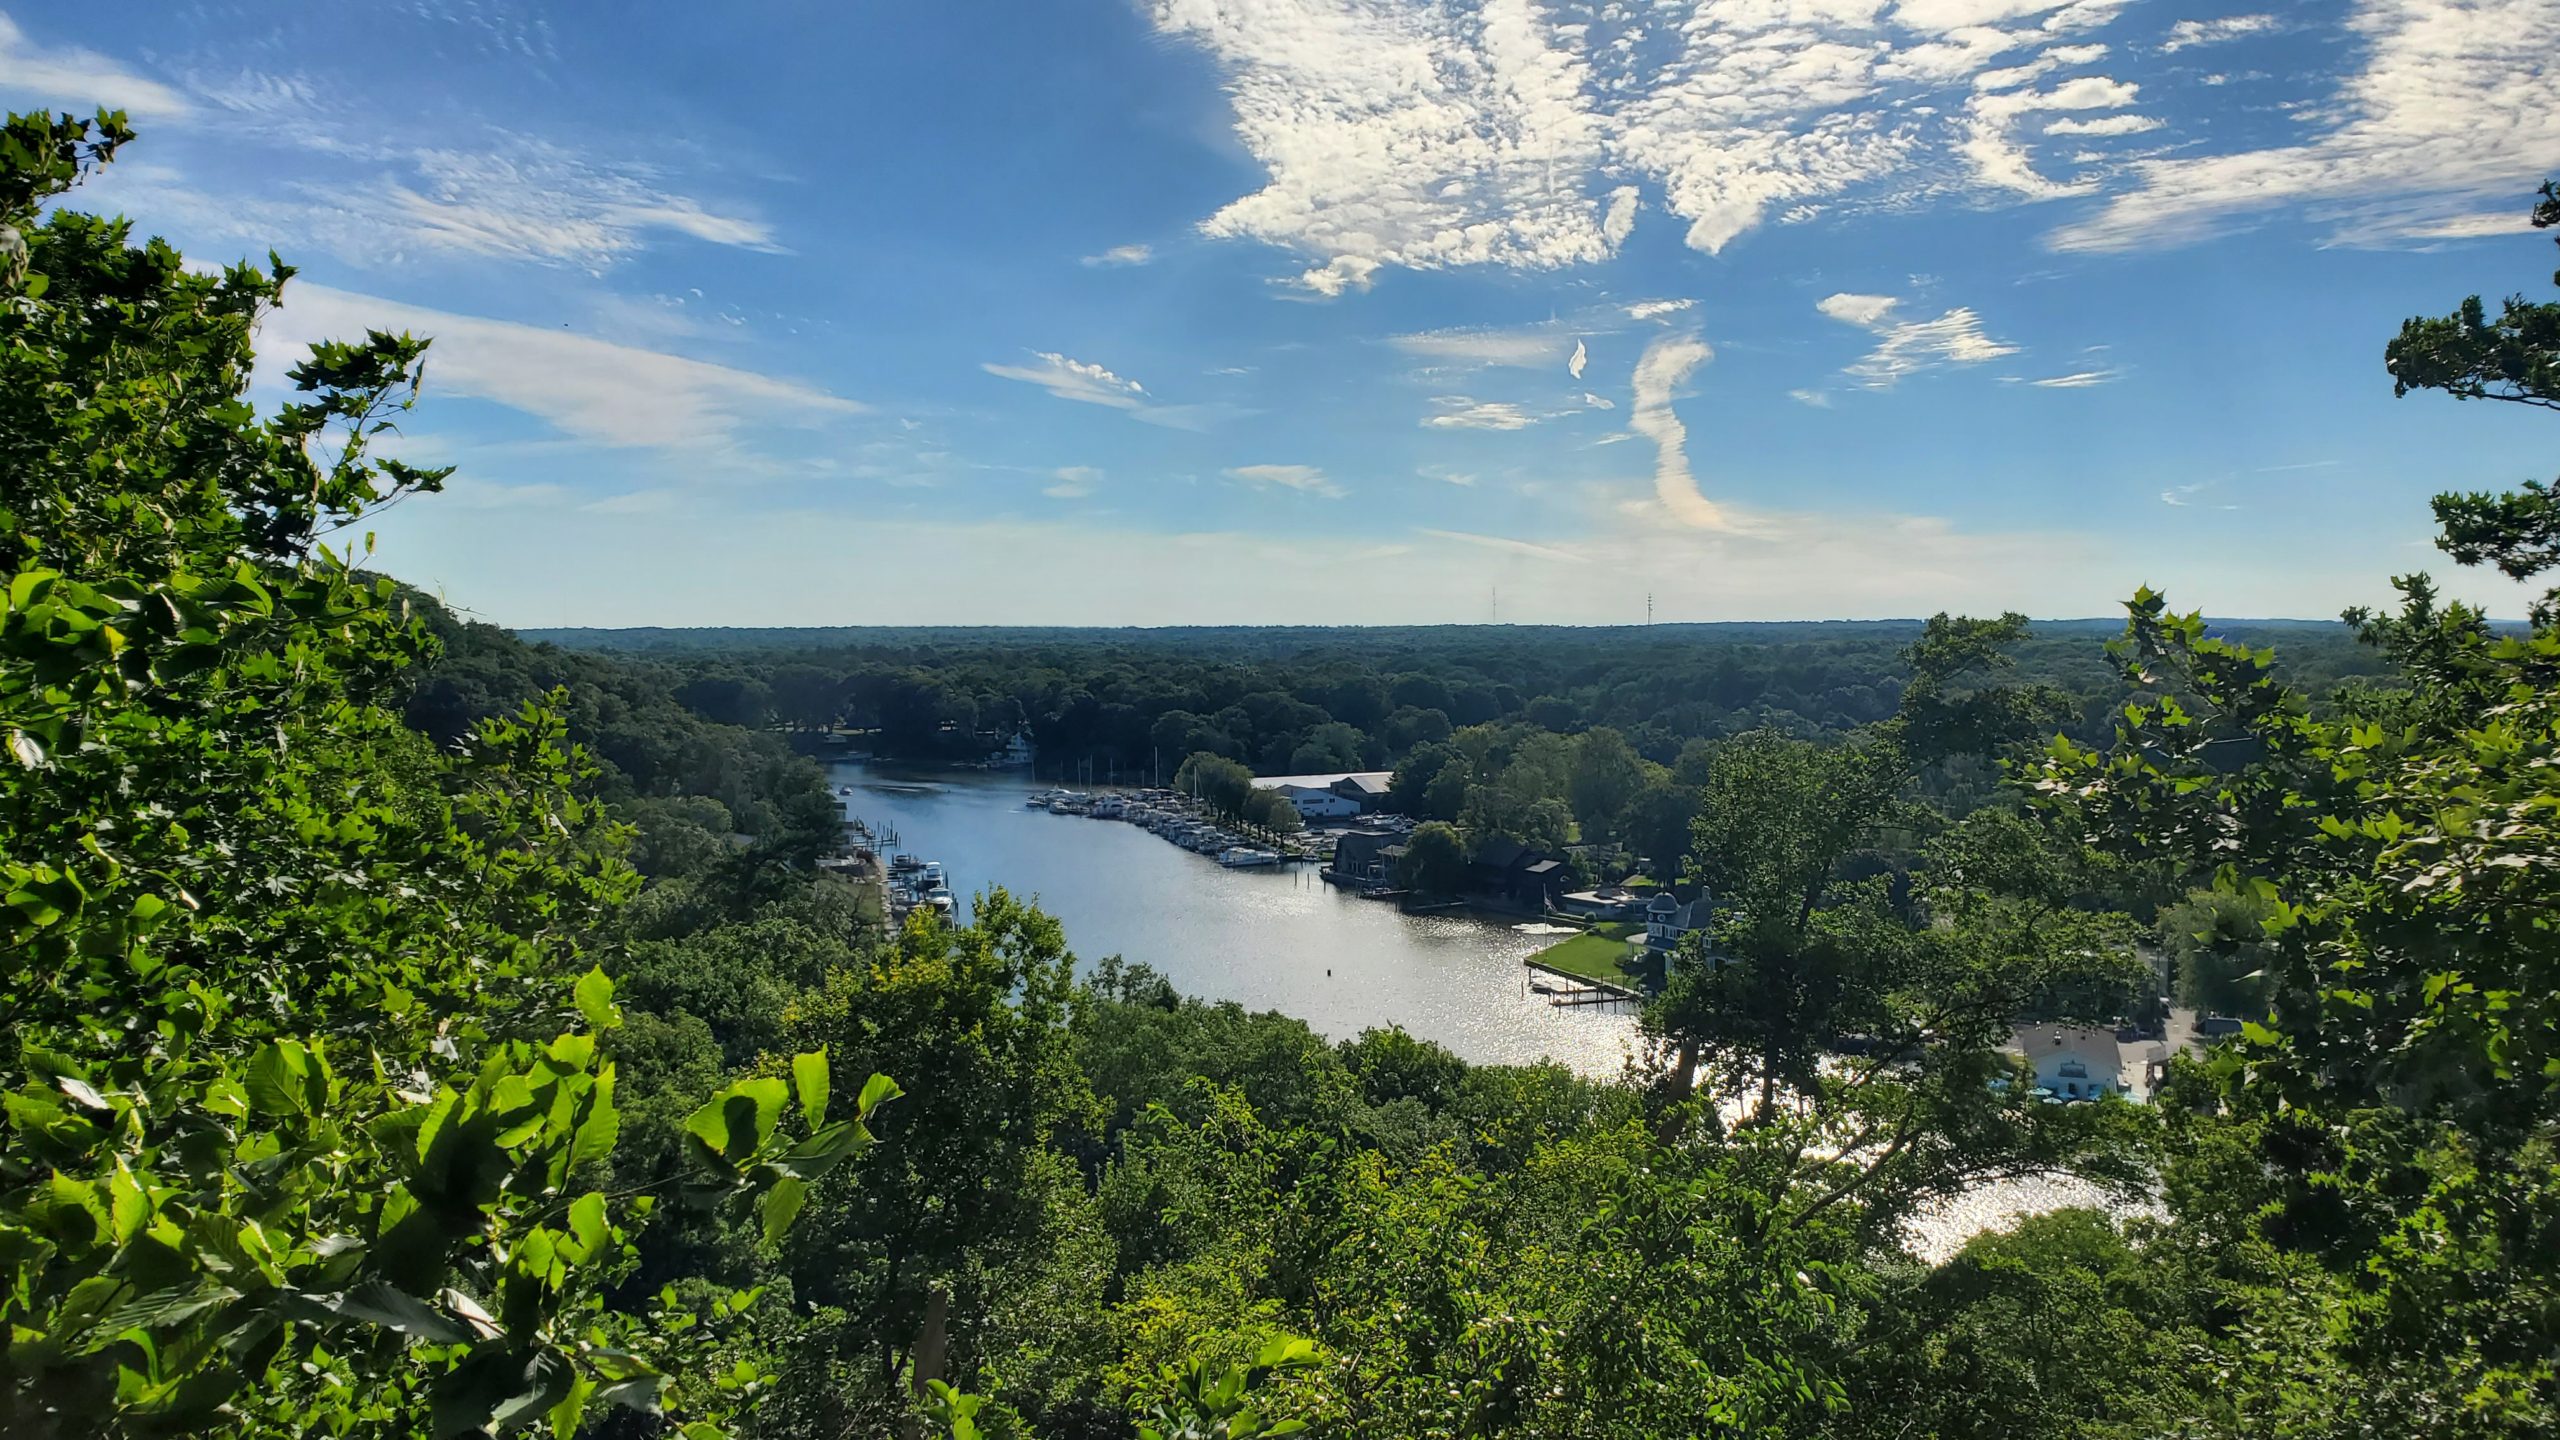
{"x": 1668, "y": 920}
{"x": 1337, "y": 796}
{"x": 1517, "y": 873}
{"x": 1609, "y": 902}
{"x": 1318, "y": 803}
{"x": 1366, "y": 858}
{"x": 2074, "y": 1062}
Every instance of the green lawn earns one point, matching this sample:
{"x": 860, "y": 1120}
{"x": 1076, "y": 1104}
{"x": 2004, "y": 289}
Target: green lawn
{"x": 1594, "y": 954}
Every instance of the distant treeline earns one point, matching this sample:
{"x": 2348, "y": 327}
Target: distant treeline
{"x": 1310, "y": 699}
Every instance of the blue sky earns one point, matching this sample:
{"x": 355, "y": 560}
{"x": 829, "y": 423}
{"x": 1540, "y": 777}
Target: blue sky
{"x": 1371, "y": 310}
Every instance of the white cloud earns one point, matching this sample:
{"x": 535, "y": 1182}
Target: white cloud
{"x": 1907, "y": 346}
{"x": 1408, "y": 135}
{"x": 2103, "y": 125}
{"x": 1507, "y": 545}
{"x": 531, "y": 200}
{"x": 1651, "y": 309}
{"x": 1122, "y": 255}
{"x": 255, "y": 93}
{"x": 1598, "y": 402}
{"x": 1306, "y": 479}
{"x": 513, "y": 197}
{"x": 1458, "y": 412}
{"x": 1861, "y": 310}
{"x": 591, "y": 389}
{"x": 1446, "y": 475}
{"x": 2078, "y": 380}
{"x": 1090, "y": 384}
{"x": 1818, "y": 399}
{"x": 1999, "y": 160}
{"x": 1581, "y": 358}
{"x": 1339, "y": 274}
{"x": 1665, "y": 365}
{"x": 78, "y": 80}
{"x": 1531, "y": 347}
{"x": 2189, "y": 33}
{"x": 1518, "y": 134}
{"x": 2450, "y": 95}
{"x": 1074, "y": 482}
{"x": 1076, "y": 380}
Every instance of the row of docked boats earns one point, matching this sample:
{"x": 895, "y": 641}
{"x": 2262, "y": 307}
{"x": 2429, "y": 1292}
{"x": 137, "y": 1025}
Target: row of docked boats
{"x": 1165, "y": 813}
{"x": 915, "y": 883}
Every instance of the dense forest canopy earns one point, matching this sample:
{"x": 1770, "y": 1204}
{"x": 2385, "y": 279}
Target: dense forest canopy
{"x": 417, "y": 1031}
{"x": 1117, "y": 699}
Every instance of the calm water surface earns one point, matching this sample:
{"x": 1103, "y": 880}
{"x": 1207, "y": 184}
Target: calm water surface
{"x": 1274, "y": 939}
{"x": 1280, "y": 939}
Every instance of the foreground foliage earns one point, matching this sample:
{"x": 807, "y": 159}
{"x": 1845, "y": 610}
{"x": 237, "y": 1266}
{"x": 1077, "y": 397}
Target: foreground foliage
{"x": 306, "y": 1105}
{"x": 398, "y": 1046}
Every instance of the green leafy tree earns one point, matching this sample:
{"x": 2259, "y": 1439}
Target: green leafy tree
{"x": 911, "y": 1247}
{"x": 2217, "y": 947}
{"x": 306, "y": 1107}
{"x": 2515, "y": 358}
{"x": 1434, "y": 860}
{"x": 1606, "y": 775}
{"x": 1658, "y": 822}
{"x": 2402, "y": 1085}
{"x": 1810, "y": 951}
{"x": 1222, "y": 784}
{"x": 2060, "y": 1326}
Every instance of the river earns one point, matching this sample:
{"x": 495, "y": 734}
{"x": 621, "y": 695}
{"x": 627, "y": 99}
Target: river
{"x": 1281, "y": 939}
{"x": 1275, "y": 939}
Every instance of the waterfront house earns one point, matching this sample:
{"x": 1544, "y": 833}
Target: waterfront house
{"x": 2074, "y": 1062}
{"x": 1366, "y": 858}
{"x": 1668, "y": 920}
{"x": 1609, "y": 902}
{"x": 1517, "y": 873}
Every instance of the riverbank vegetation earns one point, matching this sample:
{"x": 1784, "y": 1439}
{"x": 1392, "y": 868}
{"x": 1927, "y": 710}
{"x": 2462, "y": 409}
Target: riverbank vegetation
{"x": 418, "y": 1032}
{"x": 1599, "y": 953}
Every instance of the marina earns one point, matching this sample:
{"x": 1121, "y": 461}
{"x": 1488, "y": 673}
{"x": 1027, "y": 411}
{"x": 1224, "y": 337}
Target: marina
{"x": 1263, "y": 930}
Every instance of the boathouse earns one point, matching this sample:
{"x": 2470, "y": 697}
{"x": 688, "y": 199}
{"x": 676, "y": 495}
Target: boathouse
{"x": 1366, "y": 858}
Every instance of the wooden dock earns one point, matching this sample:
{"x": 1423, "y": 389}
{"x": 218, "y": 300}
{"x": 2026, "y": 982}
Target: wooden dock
{"x": 1588, "y": 991}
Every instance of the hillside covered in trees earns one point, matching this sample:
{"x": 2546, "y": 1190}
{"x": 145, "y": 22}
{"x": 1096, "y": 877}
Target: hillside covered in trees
{"x": 417, "y": 1032}
{"x": 1283, "y": 700}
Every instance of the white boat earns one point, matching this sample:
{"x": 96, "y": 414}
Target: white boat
{"x": 1244, "y": 857}
{"x": 1109, "y": 807}
{"x": 933, "y": 874}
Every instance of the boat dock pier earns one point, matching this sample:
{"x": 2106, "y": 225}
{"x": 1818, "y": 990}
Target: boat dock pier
{"x": 1584, "y": 990}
